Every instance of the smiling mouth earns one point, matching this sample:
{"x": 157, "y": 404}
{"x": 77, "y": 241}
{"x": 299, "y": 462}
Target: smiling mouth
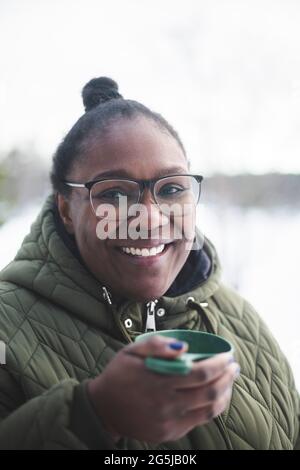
{"x": 144, "y": 252}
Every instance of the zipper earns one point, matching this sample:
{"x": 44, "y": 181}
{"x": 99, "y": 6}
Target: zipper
{"x": 150, "y": 319}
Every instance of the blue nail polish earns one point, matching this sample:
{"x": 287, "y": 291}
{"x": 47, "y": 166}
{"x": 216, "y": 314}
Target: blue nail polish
{"x": 177, "y": 346}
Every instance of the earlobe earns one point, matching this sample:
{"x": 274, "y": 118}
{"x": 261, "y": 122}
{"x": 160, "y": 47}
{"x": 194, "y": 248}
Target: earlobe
{"x": 63, "y": 206}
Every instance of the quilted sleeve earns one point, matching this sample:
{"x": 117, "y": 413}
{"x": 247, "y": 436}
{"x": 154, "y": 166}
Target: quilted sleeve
{"x": 60, "y": 418}
{"x": 289, "y": 403}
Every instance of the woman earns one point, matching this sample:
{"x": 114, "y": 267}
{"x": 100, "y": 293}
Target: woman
{"x": 78, "y": 293}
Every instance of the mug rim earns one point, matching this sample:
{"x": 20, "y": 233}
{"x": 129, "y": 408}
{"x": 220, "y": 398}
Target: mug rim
{"x": 157, "y": 332}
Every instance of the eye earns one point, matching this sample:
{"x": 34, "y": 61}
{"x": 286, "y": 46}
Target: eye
{"x": 110, "y": 194}
{"x": 170, "y": 190}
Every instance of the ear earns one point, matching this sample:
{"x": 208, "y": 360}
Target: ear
{"x": 63, "y": 206}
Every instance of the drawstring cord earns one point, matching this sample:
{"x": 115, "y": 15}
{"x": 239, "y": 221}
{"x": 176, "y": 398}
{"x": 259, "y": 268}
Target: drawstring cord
{"x": 106, "y": 295}
{"x": 119, "y": 325}
{"x": 200, "y": 309}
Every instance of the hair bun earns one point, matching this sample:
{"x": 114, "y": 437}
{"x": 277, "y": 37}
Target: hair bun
{"x": 99, "y": 90}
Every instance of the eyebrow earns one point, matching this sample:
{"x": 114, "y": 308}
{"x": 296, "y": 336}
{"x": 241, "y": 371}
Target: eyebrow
{"x": 124, "y": 173}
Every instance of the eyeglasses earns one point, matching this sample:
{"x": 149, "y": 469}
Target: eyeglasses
{"x": 180, "y": 190}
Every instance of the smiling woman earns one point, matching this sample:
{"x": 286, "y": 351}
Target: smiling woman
{"x": 115, "y": 253}
{"x": 121, "y": 138}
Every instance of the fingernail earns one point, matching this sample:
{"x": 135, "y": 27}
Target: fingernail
{"x": 231, "y": 360}
{"x": 177, "y": 345}
{"x": 237, "y": 372}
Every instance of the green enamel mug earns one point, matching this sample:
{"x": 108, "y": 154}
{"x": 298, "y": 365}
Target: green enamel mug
{"x": 201, "y": 346}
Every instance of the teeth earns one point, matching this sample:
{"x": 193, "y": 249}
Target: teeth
{"x": 155, "y": 250}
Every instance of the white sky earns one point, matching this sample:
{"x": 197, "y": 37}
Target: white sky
{"x": 225, "y": 73}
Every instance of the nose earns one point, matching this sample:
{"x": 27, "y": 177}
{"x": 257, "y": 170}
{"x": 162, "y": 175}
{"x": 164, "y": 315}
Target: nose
{"x": 151, "y": 219}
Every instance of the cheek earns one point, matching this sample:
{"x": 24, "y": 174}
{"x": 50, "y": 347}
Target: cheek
{"x": 184, "y": 227}
{"x": 85, "y": 229}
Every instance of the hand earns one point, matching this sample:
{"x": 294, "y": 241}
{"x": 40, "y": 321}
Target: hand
{"x": 135, "y": 402}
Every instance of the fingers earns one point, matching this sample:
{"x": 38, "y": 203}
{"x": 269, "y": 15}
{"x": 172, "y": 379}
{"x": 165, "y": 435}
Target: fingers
{"x": 204, "y": 372}
{"x": 204, "y": 396}
{"x": 204, "y": 415}
{"x": 157, "y": 346}
{"x": 181, "y": 424}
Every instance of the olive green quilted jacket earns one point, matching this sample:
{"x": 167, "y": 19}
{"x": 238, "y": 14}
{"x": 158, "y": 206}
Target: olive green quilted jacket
{"x": 59, "y": 331}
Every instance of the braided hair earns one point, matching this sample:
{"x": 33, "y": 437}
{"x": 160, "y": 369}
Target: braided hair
{"x": 104, "y": 106}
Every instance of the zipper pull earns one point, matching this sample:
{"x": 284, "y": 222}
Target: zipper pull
{"x": 106, "y": 295}
{"x": 150, "y": 322}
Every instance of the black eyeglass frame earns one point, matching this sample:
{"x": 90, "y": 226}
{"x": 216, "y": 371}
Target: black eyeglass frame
{"x": 143, "y": 184}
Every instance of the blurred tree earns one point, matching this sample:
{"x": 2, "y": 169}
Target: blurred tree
{"x": 270, "y": 190}
{"x": 23, "y": 179}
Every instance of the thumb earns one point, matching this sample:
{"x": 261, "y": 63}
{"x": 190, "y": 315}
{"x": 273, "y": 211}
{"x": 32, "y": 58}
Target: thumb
{"x": 157, "y": 346}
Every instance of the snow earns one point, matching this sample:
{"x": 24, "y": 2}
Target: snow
{"x": 13, "y": 232}
{"x": 260, "y": 257}
{"x": 259, "y": 254}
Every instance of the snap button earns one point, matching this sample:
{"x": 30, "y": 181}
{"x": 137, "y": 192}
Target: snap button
{"x": 160, "y": 312}
{"x": 128, "y": 323}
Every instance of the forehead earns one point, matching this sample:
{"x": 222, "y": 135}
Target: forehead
{"x": 138, "y": 147}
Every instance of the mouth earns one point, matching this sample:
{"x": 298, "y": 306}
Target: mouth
{"x": 145, "y": 254}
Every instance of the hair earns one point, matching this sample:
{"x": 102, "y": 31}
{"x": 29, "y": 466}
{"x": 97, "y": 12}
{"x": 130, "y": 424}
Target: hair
{"x": 103, "y": 107}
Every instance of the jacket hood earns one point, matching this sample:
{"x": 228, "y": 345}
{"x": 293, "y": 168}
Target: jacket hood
{"x": 49, "y": 264}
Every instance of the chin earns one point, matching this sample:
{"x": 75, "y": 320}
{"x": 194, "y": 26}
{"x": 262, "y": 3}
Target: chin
{"x": 146, "y": 293}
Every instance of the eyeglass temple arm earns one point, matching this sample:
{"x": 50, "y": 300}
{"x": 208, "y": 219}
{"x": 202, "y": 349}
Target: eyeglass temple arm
{"x": 75, "y": 185}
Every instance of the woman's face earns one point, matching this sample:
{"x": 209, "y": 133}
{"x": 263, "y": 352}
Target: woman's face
{"x": 136, "y": 149}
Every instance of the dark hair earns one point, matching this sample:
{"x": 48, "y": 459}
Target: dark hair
{"x": 103, "y": 105}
